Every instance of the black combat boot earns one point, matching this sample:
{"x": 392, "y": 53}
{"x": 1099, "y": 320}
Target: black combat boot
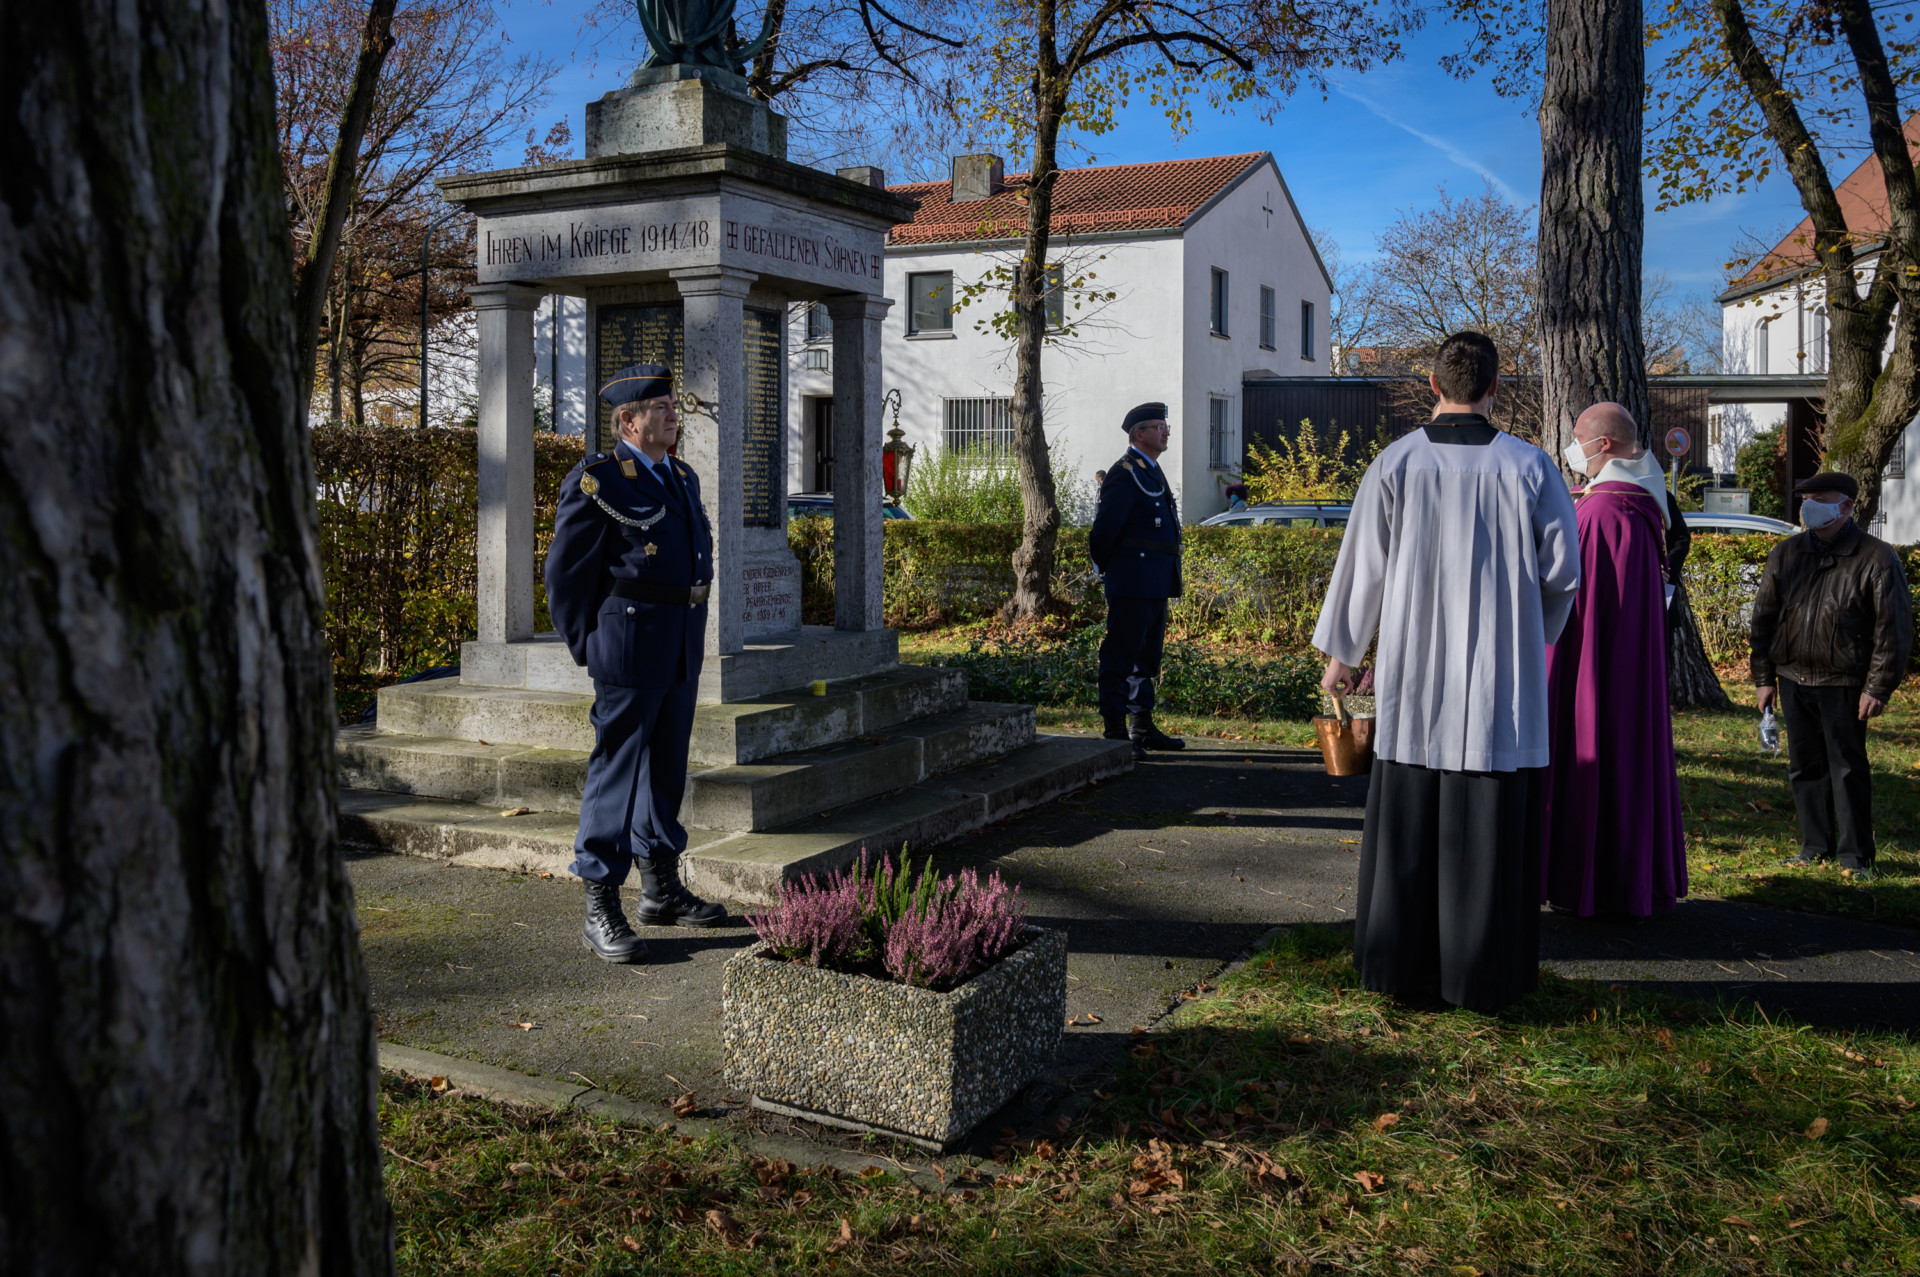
{"x": 607, "y": 933}
{"x": 1147, "y": 736}
{"x": 1116, "y": 727}
{"x": 665, "y": 902}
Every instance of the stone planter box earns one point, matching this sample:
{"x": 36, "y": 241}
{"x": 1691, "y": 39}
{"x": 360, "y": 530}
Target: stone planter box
{"x": 869, "y": 1055}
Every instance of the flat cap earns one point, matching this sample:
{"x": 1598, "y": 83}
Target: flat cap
{"x": 642, "y": 381}
{"x": 1145, "y": 412}
{"x": 1830, "y": 481}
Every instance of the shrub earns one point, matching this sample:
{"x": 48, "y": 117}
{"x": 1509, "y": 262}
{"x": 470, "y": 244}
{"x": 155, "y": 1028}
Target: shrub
{"x": 931, "y": 932}
{"x": 1760, "y": 466}
{"x": 1023, "y": 667}
{"x": 964, "y": 487}
{"x": 1300, "y": 469}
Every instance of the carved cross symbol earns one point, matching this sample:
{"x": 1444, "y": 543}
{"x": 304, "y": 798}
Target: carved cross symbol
{"x": 1266, "y": 206}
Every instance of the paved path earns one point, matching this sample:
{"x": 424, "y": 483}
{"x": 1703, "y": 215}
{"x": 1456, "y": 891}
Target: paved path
{"x": 1160, "y": 878}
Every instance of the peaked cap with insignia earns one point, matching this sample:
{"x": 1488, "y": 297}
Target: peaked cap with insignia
{"x": 1145, "y": 412}
{"x": 642, "y": 381}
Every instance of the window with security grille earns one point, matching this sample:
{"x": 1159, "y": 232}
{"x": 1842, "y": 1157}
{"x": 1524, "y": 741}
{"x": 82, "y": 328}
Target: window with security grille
{"x": 1220, "y": 449}
{"x": 1897, "y": 463}
{"x": 1217, "y": 310}
{"x": 1266, "y": 319}
{"x": 930, "y": 302}
{"x": 819, "y": 322}
{"x": 979, "y": 427}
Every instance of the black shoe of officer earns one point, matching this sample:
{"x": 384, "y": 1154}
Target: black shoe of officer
{"x": 1147, "y": 736}
{"x": 665, "y": 902}
{"x": 607, "y": 934}
{"x": 1116, "y": 727}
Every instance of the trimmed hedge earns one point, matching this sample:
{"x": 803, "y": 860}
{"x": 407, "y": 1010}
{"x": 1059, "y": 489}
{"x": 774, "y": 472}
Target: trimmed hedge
{"x": 398, "y": 529}
{"x": 1722, "y": 574}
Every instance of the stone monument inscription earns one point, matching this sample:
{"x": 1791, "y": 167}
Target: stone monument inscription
{"x": 629, "y": 335}
{"x": 765, "y": 411}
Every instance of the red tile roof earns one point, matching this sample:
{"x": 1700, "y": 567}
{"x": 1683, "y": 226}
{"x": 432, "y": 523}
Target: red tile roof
{"x": 1863, "y": 202}
{"x": 1117, "y": 197}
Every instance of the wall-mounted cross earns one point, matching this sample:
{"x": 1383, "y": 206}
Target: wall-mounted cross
{"x": 1266, "y": 206}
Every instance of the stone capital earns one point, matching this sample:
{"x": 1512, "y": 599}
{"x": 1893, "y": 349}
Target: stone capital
{"x": 506, "y": 296}
{"x": 713, "y": 281}
{"x": 852, "y": 307}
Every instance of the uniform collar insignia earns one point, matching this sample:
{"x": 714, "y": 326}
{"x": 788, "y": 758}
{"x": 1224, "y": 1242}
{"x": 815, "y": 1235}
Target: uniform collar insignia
{"x": 627, "y": 468}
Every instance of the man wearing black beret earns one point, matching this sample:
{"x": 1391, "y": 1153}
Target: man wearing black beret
{"x": 627, "y": 583}
{"x": 1832, "y": 627}
{"x": 1135, "y": 542}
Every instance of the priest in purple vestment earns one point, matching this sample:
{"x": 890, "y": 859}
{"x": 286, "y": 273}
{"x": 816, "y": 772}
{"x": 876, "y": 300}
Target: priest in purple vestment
{"x": 1613, "y": 841}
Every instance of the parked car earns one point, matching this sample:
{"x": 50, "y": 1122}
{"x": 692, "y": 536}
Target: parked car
{"x": 821, "y": 503}
{"x": 1286, "y": 516}
{"x": 1698, "y": 521}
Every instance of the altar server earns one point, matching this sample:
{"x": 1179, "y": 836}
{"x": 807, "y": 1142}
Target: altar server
{"x": 1613, "y": 844}
{"x": 1461, "y": 555}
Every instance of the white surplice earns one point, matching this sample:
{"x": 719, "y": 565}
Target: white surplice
{"x": 1465, "y": 559}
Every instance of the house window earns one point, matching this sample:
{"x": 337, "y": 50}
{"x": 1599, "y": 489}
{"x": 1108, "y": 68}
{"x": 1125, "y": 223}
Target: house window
{"x": 1220, "y": 449}
{"x": 930, "y": 302}
{"x": 980, "y": 427}
{"x": 819, "y": 322}
{"x": 1266, "y": 319}
{"x": 1817, "y": 341}
{"x": 1715, "y": 420}
{"x": 1306, "y": 330}
{"x": 1056, "y": 297}
{"x": 1217, "y": 311}
{"x": 1897, "y": 463}
{"x": 819, "y": 359}
{"x": 1760, "y": 346}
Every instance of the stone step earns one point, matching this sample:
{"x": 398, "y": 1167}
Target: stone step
{"x": 723, "y": 734}
{"x": 740, "y": 866}
{"x": 757, "y": 795}
{"x": 785, "y": 787}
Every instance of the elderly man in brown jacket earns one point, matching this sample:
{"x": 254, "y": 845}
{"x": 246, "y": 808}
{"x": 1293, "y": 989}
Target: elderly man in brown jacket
{"x": 1832, "y": 627}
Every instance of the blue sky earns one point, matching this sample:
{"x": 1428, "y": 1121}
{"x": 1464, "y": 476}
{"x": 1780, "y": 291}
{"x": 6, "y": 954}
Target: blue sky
{"x": 1375, "y": 145}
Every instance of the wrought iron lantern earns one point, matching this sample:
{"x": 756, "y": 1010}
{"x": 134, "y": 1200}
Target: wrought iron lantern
{"x": 896, "y": 455}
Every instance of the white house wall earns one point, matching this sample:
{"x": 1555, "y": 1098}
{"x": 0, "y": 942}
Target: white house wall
{"x": 1255, "y": 235}
{"x": 1795, "y": 343}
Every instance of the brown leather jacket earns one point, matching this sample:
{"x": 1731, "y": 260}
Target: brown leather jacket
{"x": 1833, "y": 614}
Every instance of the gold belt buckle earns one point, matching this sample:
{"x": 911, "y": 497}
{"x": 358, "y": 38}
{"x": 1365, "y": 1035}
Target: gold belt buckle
{"x": 697, "y": 594}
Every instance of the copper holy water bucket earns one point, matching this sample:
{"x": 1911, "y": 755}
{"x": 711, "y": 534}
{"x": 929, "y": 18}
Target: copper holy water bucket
{"x": 1346, "y": 742}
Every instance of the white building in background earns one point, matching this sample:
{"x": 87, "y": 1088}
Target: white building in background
{"x": 1196, "y": 275}
{"x": 1774, "y": 322}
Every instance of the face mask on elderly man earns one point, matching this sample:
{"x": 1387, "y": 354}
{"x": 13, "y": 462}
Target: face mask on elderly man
{"x": 1819, "y": 514}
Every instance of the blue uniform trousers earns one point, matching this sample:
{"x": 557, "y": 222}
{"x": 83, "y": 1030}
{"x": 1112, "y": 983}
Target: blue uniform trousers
{"x": 636, "y": 777}
{"x": 1130, "y": 655}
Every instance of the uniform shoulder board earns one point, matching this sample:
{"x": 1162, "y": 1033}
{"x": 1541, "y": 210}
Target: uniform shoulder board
{"x": 596, "y": 458}
{"x": 1126, "y": 463}
{"x": 683, "y": 471}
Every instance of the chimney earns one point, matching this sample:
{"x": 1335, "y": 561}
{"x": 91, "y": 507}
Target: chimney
{"x": 977, "y": 177}
{"x": 866, "y": 175}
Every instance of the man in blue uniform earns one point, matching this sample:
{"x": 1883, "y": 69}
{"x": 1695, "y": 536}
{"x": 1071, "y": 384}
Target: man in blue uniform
{"x": 1135, "y": 542}
{"x": 627, "y": 581}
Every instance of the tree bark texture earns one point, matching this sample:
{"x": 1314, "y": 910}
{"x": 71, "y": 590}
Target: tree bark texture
{"x": 1691, "y": 681}
{"x": 187, "y": 1068}
{"x": 343, "y": 172}
{"x": 1040, "y": 503}
{"x": 1590, "y": 215}
{"x": 1873, "y": 332}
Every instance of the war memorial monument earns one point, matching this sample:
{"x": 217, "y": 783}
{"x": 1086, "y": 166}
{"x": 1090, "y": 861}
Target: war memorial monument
{"x": 689, "y": 234}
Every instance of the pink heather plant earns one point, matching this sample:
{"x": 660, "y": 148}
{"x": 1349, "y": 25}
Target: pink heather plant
{"x": 963, "y": 927}
{"x": 933, "y": 933}
{"x": 816, "y": 921}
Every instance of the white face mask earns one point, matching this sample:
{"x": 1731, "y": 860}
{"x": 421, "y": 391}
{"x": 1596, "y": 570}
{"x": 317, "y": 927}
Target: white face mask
{"x": 1818, "y": 514}
{"x": 1576, "y": 455}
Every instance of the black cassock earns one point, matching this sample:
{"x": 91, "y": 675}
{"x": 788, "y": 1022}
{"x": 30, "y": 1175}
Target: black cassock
{"x": 1470, "y": 843}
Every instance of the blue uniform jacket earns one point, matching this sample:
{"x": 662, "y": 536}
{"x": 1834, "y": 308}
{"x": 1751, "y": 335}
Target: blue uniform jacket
{"x": 624, "y": 641}
{"x": 1136, "y": 514}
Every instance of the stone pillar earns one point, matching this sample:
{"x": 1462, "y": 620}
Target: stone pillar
{"x": 857, "y": 438}
{"x": 713, "y": 436}
{"x": 505, "y": 559}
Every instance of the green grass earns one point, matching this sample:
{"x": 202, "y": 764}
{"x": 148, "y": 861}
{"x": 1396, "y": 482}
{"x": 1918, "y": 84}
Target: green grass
{"x": 1288, "y": 1122}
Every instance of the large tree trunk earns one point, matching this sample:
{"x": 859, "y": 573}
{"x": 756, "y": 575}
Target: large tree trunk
{"x": 1040, "y": 526}
{"x": 343, "y": 172}
{"x": 1591, "y": 225}
{"x": 187, "y": 1066}
{"x": 1590, "y": 215}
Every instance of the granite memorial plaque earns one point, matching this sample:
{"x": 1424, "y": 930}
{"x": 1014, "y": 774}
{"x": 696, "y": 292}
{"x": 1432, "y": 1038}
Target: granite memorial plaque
{"x": 628, "y": 335}
{"x": 760, "y": 486}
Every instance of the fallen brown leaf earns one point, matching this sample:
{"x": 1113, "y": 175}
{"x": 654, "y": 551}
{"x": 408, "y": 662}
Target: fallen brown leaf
{"x": 526, "y": 1026}
{"x": 1912, "y": 1203}
{"x": 627, "y": 1243}
{"x": 871, "y": 1171}
{"x": 1817, "y": 1128}
{"x": 1385, "y": 1120}
{"x": 437, "y": 1083}
{"x": 520, "y": 1168}
{"x": 1371, "y": 1181}
{"x": 721, "y": 1222}
{"x": 686, "y": 1105}
{"x": 516, "y": 811}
